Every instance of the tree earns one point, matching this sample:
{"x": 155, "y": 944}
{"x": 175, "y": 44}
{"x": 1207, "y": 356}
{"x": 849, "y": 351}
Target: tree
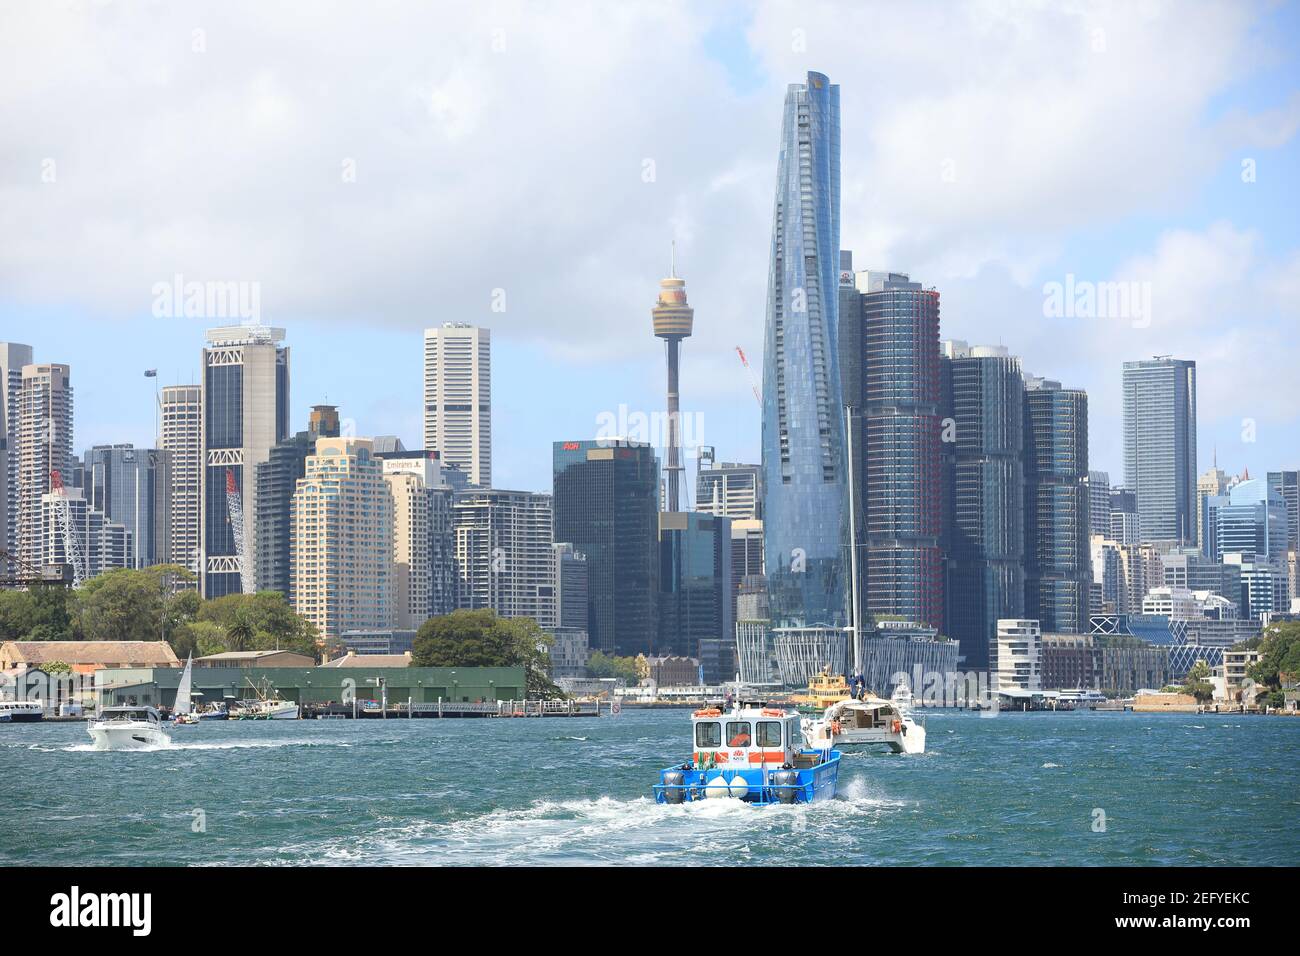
{"x": 482, "y": 639}
{"x": 122, "y": 605}
{"x": 1279, "y": 653}
{"x": 601, "y": 665}
{"x": 1198, "y": 683}
{"x": 260, "y": 622}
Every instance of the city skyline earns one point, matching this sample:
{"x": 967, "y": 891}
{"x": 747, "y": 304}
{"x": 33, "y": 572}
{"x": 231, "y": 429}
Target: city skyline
{"x": 1173, "y": 207}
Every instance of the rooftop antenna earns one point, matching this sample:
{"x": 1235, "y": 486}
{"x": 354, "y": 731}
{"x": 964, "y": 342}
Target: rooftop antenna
{"x": 672, "y": 268}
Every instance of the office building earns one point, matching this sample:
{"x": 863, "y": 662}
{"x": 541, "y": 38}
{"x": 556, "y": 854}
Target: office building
{"x": 1057, "y": 565}
{"x": 504, "y": 555}
{"x": 13, "y": 357}
{"x": 1251, "y": 519}
{"x": 181, "y": 437}
{"x": 1285, "y": 487}
{"x": 245, "y": 405}
{"x": 1124, "y": 526}
{"x": 1212, "y": 484}
{"x": 341, "y": 540}
{"x": 571, "y": 591}
{"x": 984, "y": 494}
{"x": 803, "y": 424}
{"x": 44, "y": 446}
{"x": 103, "y": 545}
{"x": 131, "y": 486}
{"x": 1160, "y": 447}
{"x": 606, "y": 505}
{"x": 458, "y": 398}
{"x": 695, "y": 579}
{"x": 1099, "y": 503}
{"x": 729, "y": 489}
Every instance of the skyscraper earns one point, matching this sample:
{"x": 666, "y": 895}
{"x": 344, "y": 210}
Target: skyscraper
{"x": 181, "y": 409}
{"x": 1160, "y": 446}
{"x": 458, "y": 398}
{"x": 130, "y": 486}
{"x": 984, "y": 489}
{"x": 607, "y": 506}
{"x": 342, "y": 540}
{"x": 1286, "y": 486}
{"x": 695, "y": 600}
{"x": 803, "y": 422}
{"x": 892, "y": 376}
{"x": 1057, "y": 553}
{"x": 1211, "y": 484}
{"x": 245, "y": 405}
{"x": 504, "y": 558}
{"x": 12, "y": 359}
{"x": 44, "y": 446}
{"x": 730, "y": 489}
{"x": 277, "y": 480}
{"x": 1099, "y": 503}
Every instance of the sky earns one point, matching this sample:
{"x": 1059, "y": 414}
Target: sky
{"x": 376, "y": 169}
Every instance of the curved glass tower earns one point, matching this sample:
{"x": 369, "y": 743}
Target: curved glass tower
{"x": 803, "y": 429}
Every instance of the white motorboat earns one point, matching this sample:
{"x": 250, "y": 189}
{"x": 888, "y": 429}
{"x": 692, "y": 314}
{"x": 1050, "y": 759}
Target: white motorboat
{"x": 268, "y": 709}
{"x": 127, "y": 728}
{"x": 18, "y": 711}
{"x": 871, "y": 721}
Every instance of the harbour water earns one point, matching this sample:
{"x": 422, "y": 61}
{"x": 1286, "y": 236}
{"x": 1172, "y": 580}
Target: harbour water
{"x": 1012, "y": 789}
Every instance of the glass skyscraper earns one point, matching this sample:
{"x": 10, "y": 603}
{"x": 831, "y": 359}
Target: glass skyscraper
{"x": 1160, "y": 447}
{"x": 803, "y": 422}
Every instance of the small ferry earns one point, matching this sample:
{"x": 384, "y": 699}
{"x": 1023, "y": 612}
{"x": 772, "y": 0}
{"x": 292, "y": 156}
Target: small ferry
{"x": 18, "y": 711}
{"x": 751, "y": 753}
{"x": 824, "y": 690}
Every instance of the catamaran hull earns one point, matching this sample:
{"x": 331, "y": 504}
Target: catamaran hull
{"x": 911, "y": 742}
{"x": 127, "y": 738}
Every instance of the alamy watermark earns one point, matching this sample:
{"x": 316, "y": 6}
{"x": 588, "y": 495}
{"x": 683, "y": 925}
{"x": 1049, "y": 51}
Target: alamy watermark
{"x": 1081, "y": 299}
{"x": 230, "y": 299}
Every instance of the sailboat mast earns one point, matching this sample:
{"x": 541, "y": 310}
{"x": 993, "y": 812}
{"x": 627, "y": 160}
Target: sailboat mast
{"x": 853, "y": 550}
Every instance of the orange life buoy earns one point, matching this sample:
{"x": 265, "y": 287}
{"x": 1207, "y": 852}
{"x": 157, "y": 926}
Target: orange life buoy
{"x": 708, "y": 712}
{"x": 769, "y": 712}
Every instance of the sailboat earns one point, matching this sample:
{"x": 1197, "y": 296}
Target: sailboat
{"x": 183, "y": 710}
{"x": 863, "y": 719}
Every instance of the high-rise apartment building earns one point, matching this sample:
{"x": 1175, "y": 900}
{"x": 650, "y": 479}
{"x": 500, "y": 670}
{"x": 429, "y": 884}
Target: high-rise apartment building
{"x": 104, "y": 545}
{"x": 12, "y": 359}
{"x": 245, "y": 405}
{"x": 44, "y": 446}
{"x": 504, "y": 555}
{"x": 181, "y": 424}
{"x": 803, "y": 421}
{"x": 413, "y": 480}
{"x": 1057, "y": 554}
{"x": 1099, "y": 503}
{"x": 277, "y": 480}
{"x": 892, "y": 378}
{"x": 606, "y": 501}
{"x": 1160, "y": 446}
{"x": 131, "y": 486}
{"x": 458, "y": 398}
{"x": 984, "y": 489}
{"x": 342, "y": 540}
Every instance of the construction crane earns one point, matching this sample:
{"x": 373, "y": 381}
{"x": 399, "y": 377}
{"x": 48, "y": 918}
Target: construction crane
{"x": 235, "y": 509}
{"x": 753, "y": 381}
{"x": 63, "y": 519}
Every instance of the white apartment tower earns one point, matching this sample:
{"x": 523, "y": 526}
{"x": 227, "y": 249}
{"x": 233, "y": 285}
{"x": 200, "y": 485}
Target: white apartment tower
{"x": 504, "y": 557}
{"x": 458, "y": 398}
{"x": 12, "y": 359}
{"x": 44, "y": 446}
{"x": 414, "y": 479}
{"x": 341, "y": 540}
{"x": 181, "y": 424}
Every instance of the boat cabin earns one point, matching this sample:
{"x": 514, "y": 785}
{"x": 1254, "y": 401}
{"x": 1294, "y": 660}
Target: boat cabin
{"x": 745, "y": 737}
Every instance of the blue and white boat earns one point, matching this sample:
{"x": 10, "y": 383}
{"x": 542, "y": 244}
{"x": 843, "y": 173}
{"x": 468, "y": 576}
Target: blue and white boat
{"x": 750, "y": 753}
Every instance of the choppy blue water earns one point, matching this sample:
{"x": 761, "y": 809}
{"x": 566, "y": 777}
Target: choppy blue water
{"x": 1016, "y": 788}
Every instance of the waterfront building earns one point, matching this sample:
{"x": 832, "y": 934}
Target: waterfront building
{"x": 730, "y": 489}
{"x": 458, "y": 398}
{"x": 606, "y": 505}
{"x": 131, "y": 486}
{"x": 1099, "y": 495}
{"x": 13, "y": 356}
{"x": 674, "y": 671}
{"x": 802, "y": 652}
{"x": 341, "y": 540}
{"x": 803, "y": 424}
{"x": 504, "y": 555}
{"x": 1173, "y": 640}
{"x": 984, "y": 495}
{"x": 1015, "y": 659}
{"x": 1070, "y": 661}
{"x": 181, "y": 437}
{"x": 895, "y": 652}
{"x": 695, "y": 579}
{"x": 1057, "y": 572}
{"x": 245, "y": 404}
{"x": 892, "y": 380}
{"x": 277, "y": 480}
{"x": 1160, "y": 447}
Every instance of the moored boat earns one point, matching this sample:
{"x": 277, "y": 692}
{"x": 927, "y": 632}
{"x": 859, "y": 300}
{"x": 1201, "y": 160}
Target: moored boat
{"x": 20, "y": 711}
{"x": 751, "y": 753}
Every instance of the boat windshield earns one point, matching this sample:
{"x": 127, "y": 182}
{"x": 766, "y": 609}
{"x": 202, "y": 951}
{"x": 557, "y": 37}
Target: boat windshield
{"x": 708, "y": 734}
{"x": 738, "y": 734}
{"x": 769, "y": 734}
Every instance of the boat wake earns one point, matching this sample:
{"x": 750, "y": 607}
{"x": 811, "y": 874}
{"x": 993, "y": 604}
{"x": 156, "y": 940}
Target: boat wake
{"x": 221, "y": 745}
